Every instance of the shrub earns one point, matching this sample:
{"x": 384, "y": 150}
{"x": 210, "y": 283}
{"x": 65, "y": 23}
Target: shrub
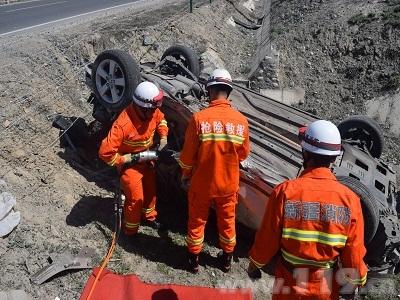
{"x": 392, "y": 16}
{"x": 393, "y": 82}
{"x": 393, "y": 2}
{"x": 360, "y": 19}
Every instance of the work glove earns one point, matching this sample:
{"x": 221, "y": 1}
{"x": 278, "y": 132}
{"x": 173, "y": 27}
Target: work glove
{"x": 167, "y": 156}
{"x": 163, "y": 143}
{"x": 127, "y": 158}
{"x": 253, "y": 271}
{"x": 185, "y": 182}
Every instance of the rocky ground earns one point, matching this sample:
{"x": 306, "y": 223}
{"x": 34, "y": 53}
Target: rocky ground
{"x": 343, "y": 53}
{"x": 340, "y": 63}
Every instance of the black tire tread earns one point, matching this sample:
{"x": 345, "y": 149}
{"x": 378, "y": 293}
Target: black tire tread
{"x": 368, "y": 204}
{"x": 368, "y": 124}
{"x": 191, "y": 57}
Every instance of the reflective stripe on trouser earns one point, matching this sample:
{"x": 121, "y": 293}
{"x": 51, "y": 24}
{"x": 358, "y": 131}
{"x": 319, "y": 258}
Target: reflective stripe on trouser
{"x": 198, "y": 213}
{"x": 139, "y": 186}
{"x": 304, "y": 283}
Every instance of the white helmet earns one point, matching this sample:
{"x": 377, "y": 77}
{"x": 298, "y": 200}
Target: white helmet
{"x": 219, "y": 77}
{"x": 321, "y": 137}
{"x": 148, "y": 95}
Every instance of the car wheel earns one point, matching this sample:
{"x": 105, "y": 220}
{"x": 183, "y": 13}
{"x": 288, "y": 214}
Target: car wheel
{"x": 369, "y": 207}
{"x": 115, "y": 75}
{"x": 366, "y": 131}
{"x": 185, "y": 55}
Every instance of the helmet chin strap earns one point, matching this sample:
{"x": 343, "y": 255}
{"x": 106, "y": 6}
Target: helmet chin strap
{"x": 143, "y": 113}
{"x": 306, "y": 158}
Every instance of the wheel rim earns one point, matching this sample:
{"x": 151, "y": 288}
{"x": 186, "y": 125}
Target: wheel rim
{"x": 110, "y": 81}
{"x": 362, "y": 135}
{"x": 181, "y": 58}
{"x": 170, "y": 67}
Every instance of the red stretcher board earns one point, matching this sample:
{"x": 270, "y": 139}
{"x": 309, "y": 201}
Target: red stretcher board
{"x": 129, "y": 287}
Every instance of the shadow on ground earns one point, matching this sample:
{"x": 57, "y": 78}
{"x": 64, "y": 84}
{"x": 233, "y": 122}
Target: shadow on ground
{"x": 91, "y": 209}
{"x": 157, "y": 246}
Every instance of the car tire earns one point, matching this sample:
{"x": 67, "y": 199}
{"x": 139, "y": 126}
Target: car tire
{"x": 186, "y": 55}
{"x": 375, "y": 249}
{"x": 372, "y": 136}
{"x": 369, "y": 207}
{"x": 114, "y": 89}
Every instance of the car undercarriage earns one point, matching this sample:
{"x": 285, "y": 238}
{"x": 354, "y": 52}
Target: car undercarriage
{"x": 275, "y": 150}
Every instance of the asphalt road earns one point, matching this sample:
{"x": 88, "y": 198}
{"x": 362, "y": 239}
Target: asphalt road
{"x": 24, "y": 16}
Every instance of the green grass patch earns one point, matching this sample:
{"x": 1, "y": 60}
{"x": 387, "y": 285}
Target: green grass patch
{"x": 361, "y": 19}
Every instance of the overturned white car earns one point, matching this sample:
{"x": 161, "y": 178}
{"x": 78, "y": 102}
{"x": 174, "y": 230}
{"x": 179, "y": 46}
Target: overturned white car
{"x": 275, "y": 155}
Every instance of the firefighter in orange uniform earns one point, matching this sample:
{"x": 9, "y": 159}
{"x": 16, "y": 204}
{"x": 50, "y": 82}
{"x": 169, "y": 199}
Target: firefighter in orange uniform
{"x": 311, "y": 223}
{"x": 216, "y": 140}
{"x": 133, "y": 132}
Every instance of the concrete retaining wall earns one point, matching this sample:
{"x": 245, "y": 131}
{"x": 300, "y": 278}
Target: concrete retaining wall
{"x": 263, "y": 38}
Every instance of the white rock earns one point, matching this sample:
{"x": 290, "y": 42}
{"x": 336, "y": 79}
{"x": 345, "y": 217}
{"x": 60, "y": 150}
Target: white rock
{"x": 7, "y": 202}
{"x": 9, "y": 223}
{"x": 211, "y": 61}
{"x": 249, "y": 4}
{"x": 231, "y": 22}
{"x": 386, "y": 110}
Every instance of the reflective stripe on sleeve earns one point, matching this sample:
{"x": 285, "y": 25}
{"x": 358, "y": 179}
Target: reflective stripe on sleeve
{"x": 314, "y": 236}
{"x": 362, "y": 281}
{"x": 113, "y": 161}
{"x": 184, "y": 166}
{"x": 163, "y": 123}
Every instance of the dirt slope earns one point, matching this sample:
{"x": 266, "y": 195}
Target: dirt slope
{"x": 63, "y": 204}
{"x": 342, "y": 53}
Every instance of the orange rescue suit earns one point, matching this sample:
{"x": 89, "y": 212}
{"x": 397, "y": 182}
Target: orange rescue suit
{"x": 313, "y": 221}
{"x": 130, "y": 134}
{"x": 216, "y": 140}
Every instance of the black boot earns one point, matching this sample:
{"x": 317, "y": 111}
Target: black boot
{"x": 154, "y": 224}
{"x": 193, "y": 263}
{"x": 224, "y": 260}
